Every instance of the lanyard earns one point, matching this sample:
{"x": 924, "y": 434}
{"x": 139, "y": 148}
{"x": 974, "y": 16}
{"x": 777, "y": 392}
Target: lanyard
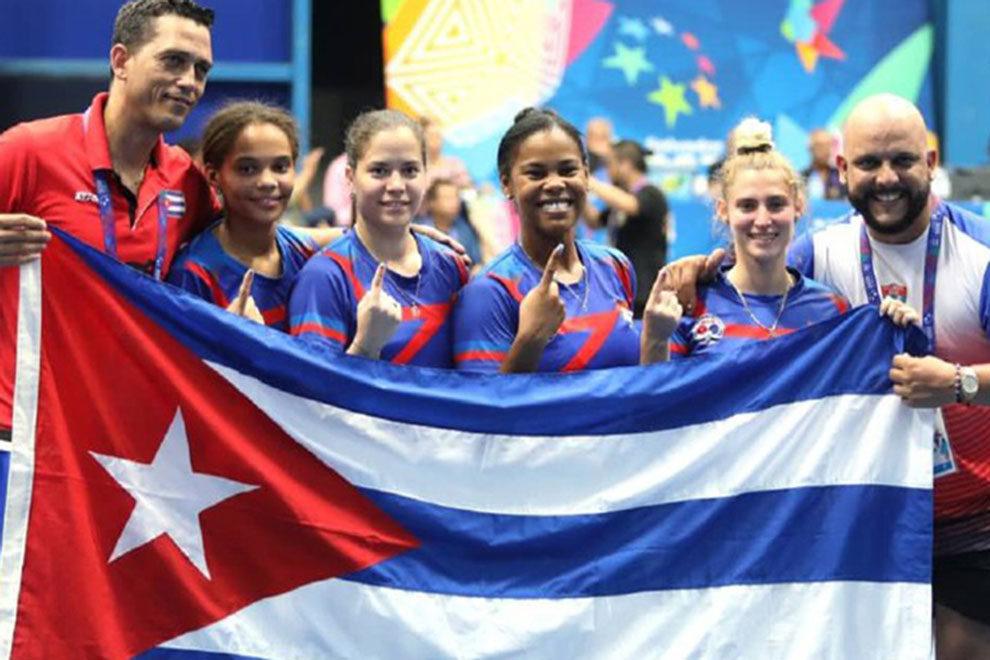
{"x": 105, "y": 202}
{"x": 873, "y": 293}
{"x": 110, "y": 226}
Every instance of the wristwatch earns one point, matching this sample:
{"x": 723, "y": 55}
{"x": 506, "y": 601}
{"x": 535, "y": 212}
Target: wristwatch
{"x": 967, "y": 384}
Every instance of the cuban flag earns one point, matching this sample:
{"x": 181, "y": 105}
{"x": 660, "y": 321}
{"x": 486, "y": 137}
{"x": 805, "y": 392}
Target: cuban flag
{"x": 185, "y": 484}
{"x": 175, "y": 203}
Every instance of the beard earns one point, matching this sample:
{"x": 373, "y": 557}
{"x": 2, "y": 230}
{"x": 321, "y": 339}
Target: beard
{"x": 916, "y": 196}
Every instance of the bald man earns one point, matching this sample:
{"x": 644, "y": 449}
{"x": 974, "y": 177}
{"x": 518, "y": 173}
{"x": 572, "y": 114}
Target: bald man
{"x": 899, "y": 241}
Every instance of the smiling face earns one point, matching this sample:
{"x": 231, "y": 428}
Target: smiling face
{"x": 165, "y": 77}
{"x": 549, "y": 183}
{"x": 887, "y": 167}
{"x": 761, "y": 210}
{"x": 389, "y": 178}
{"x": 257, "y": 176}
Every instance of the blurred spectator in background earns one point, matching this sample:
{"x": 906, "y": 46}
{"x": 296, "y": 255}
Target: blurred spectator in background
{"x": 713, "y": 175}
{"x": 598, "y": 140}
{"x": 636, "y": 214}
{"x": 822, "y": 176}
{"x": 337, "y": 191}
{"x": 598, "y": 137}
{"x": 438, "y": 165}
{"x": 302, "y": 201}
{"x": 941, "y": 184}
{"x": 444, "y": 211}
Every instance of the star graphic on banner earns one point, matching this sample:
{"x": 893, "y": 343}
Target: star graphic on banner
{"x": 169, "y": 496}
{"x": 631, "y": 61}
{"x": 707, "y": 92}
{"x": 671, "y": 97}
{"x": 662, "y": 27}
{"x": 705, "y": 65}
{"x": 633, "y": 27}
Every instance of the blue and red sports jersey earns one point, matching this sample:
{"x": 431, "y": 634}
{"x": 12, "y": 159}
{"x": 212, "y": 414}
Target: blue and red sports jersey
{"x": 324, "y": 300}
{"x": 597, "y": 331}
{"x": 205, "y": 269}
{"x": 720, "y": 322}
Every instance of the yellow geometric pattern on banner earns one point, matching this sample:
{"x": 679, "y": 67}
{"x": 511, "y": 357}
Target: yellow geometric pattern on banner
{"x": 474, "y": 62}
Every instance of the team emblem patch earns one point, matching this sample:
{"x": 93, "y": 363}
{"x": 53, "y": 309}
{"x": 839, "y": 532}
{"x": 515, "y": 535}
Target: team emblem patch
{"x": 707, "y": 330}
{"x": 896, "y": 291}
{"x": 175, "y": 203}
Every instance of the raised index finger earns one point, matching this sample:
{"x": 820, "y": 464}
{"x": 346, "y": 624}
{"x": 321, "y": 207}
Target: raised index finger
{"x": 244, "y": 291}
{"x": 378, "y": 280}
{"x": 552, "y": 264}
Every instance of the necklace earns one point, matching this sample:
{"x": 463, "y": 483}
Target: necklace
{"x": 566, "y": 287}
{"x": 576, "y": 296}
{"x": 414, "y": 299}
{"x": 772, "y": 330}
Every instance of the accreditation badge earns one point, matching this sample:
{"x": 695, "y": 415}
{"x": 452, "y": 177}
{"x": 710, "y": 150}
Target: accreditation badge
{"x": 945, "y": 462}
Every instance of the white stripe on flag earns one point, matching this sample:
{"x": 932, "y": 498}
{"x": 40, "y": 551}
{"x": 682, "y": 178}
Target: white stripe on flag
{"x": 21, "y": 475}
{"x": 866, "y": 439}
{"x": 341, "y": 619}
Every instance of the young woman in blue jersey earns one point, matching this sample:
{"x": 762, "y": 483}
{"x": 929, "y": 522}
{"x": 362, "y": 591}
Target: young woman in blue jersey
{"x": 761, "y": 197}
{"x": 246, "y": 262}
{"x": 549, "y": 302}
{"x": 381, "y": 291}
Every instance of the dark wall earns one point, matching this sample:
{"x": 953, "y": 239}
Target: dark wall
{"x": 347, "y": 68}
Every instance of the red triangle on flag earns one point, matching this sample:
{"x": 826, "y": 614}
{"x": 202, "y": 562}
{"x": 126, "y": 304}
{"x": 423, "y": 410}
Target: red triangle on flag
{"x": 111, "y": 384}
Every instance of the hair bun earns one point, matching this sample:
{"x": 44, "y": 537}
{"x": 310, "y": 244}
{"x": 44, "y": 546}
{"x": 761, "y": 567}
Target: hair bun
{"x": 522, "y": 114}
{"x": 752, "y": 136}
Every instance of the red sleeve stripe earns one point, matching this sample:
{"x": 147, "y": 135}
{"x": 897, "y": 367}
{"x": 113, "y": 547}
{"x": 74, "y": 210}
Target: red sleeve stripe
{"x": 512, "y": 286}
{"x": 485, "y": 356}
{"x": 211, "y": 281}
{"x": 348, "y": 268}
{"x": 462, "y": 270}
{"x": 623, "y": 273}
{"x": 317, "y": 329}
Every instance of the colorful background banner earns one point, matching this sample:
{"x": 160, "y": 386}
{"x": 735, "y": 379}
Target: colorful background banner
{"x": 673, "y": 75}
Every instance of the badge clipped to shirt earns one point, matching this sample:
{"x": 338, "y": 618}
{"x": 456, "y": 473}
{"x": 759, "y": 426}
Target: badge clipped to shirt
{"x": 944, "y": 462}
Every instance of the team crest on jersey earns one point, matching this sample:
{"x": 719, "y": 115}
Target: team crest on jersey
{"x": 707, "y": 330}
{"x": 175, "y": 203}
{"x": 625, "y": 314}
{"x": 894, "y": 290}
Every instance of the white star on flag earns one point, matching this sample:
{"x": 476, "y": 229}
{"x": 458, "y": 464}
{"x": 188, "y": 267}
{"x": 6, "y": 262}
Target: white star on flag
{"x": 169, "y": 496}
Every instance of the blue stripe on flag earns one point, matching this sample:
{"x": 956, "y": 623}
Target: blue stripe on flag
{"x": 809, "y": 364}
{"x": 800, "y": 535}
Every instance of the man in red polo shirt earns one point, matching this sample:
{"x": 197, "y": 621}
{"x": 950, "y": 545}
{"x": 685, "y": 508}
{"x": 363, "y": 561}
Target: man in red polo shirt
{"x": 106, "y": 176}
